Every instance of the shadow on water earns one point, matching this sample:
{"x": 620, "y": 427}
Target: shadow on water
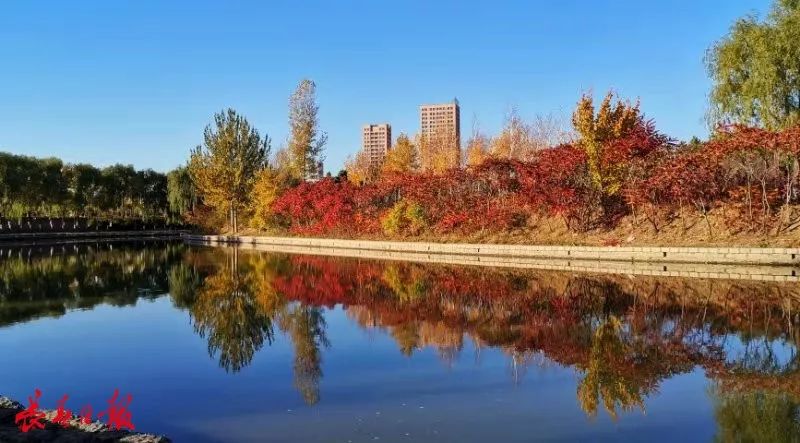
{"x": 623, "y": 336}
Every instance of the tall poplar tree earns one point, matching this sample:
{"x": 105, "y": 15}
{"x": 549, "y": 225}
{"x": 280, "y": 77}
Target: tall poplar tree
{"x": 224, "y": 168}
{"x": 306, "y": 141}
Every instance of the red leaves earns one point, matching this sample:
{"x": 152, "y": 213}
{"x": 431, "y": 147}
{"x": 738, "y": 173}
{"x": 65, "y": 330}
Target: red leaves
{"x": 503, "y": 194}
{"x": 317, "y": 207}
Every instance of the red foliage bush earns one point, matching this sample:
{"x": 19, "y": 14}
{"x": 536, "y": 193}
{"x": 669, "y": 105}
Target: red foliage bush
{"x": 319, "y": 207}
{"x": 649, "y": 173}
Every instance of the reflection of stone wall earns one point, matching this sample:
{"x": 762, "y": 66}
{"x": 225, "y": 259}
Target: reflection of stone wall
{"x": 768, "y": 264}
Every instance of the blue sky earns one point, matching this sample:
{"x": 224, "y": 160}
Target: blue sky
{"x": 136, "y": 81}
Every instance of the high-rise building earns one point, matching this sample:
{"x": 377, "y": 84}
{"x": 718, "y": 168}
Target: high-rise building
{"x": 441, "y": 120}
{"x": 376, "y": 140}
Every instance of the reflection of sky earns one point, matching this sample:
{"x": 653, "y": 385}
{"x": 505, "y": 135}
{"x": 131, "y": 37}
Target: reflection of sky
{"x": 739, "y": 350}
{"x": 369, "y": 389}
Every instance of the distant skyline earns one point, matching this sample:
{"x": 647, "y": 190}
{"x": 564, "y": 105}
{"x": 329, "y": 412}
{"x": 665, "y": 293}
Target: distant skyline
{"x": 136, "y": 82}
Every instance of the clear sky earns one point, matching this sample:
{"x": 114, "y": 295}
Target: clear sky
{"x": 136, "y": 81}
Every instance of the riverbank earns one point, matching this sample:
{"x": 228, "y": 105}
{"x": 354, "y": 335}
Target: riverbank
{"x": 769, "y": 264}
{"x": 50, "y": 237}
{"x": 77, "y": 432}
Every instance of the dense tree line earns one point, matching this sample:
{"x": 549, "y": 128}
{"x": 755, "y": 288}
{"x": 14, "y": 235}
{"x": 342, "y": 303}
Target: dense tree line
{"x": 49, "y": 187}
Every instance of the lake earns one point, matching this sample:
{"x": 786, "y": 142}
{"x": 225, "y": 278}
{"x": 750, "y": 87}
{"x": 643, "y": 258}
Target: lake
{"x": 227, "y": 345}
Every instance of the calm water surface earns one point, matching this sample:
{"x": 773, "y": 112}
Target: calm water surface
{"x": 218, "y": 345}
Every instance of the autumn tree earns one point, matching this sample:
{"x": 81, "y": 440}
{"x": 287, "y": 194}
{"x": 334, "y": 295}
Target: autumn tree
{"x": 306, "y": 142}
{"x": 477, "y": 147}
{"x": 756, "y": 70}
{"x": 439, "y": 152}
{"x": 521, "y": 140}
{"x": 361, "y": 169}
{"x": 547, "y": 131}
{"x": 614, "y": 119}
{"x": 512, "y": 142}
{"x": 267, "y": 186}
{"x": 225, "y": 167}
{"x": 402, "y": 157}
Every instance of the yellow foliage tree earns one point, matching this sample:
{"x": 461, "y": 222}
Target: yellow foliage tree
{"x": 361, "y": 169}
{"x": 266, "y": 189}
{"x": 439, "y": 152}
{"x": 401, "y": 158}
{"x": 614, "y": 119}
{"x": 477, "y": 149}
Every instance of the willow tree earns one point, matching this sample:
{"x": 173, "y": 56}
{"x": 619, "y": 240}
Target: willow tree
{"x": 224, "y": 168}
{"x": 756, "y": 70}
{"x": 181, "y": 194}
{"x": 306, "y": 142}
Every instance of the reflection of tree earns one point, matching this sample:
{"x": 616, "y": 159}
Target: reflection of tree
{"x": 306, "y": 327}
{"x": 228, "y": 314}
{"x": 406, "y": 286}
{"x": 407, "y": 337}
{"x": 603, "y": 381}
{"x": 625, "y": 336}
{"x": 184, "y": 281}
{"x": 756, "y": 416}
{"x": 235, "y": 305}
{"x": 48, "y": 280}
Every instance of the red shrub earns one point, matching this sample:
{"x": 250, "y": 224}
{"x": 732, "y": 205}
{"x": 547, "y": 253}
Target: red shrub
{"x": 317, "y": 207}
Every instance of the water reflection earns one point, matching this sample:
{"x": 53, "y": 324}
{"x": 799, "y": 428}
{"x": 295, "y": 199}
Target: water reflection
{"x": 623, "y": 336}
{"x": 47, "y": 281}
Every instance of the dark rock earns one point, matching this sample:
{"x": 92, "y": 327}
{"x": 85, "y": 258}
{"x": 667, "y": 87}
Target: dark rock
{"x": 77, "y": 432}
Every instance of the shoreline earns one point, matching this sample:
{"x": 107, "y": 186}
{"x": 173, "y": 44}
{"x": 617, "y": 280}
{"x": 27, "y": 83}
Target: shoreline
{"x": 767, "y": 264}
{"x": 76, "y": 432}
{"x": 26, "y": 238}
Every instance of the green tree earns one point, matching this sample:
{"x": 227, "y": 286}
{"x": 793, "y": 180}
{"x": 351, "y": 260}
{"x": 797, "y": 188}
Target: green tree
{"x": 306, "y": 141}
{"x": 756, "y": 70}
{"x": 83, "y": 185}
{"x": 181, "y": 194}
{"x": 224, "y": 168}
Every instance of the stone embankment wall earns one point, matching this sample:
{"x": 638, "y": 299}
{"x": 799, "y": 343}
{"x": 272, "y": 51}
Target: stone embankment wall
{"x": 32, "y": 225}
{"x": 41, "y": 228}
{"x": 771, "y": 264}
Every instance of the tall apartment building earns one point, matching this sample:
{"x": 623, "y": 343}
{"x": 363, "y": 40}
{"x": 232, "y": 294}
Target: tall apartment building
{"x": 441, "y": 119}
{"x": 376, "y": 140}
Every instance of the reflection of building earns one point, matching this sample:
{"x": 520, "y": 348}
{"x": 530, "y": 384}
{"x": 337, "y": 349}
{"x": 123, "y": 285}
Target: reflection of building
{"x": 376, "y": 140}
{"x": 441, "y": 120}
